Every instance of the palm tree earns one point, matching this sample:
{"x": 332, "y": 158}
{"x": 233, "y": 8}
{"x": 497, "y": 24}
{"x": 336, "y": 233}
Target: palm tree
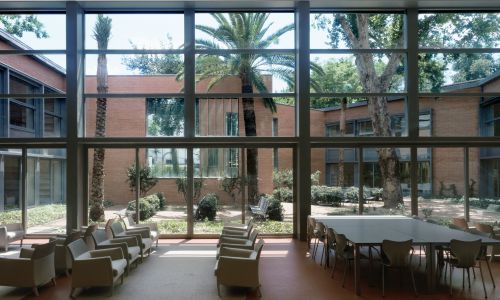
{"x": 102, "y": 33}
{"x": 246, "y": 31}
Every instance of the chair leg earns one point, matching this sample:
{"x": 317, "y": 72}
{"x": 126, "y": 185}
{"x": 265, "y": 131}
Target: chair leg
{"x": 451, "y": 275}
{"x": 334, "y": 265}
{"x": 489, "y": 270}
{"x": 218, "y": 289}
{"x": 35, "y": 291}
{"x": 258, "y": 292}
{"x": 482, "y": 279}
{"x": 413, "y": 281}
{"x": 383, "y": 280}
{"x": 468, "y": 276}
{"x": 347, "y": 265}
{"x": 21, "y": 243}
{"x": 72, "y": 292}
{"x": 463, "y": 278}
{"x": 53, "y": 280}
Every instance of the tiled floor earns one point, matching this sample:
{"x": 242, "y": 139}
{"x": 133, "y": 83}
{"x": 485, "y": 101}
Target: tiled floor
{"x": 287, "y": 272}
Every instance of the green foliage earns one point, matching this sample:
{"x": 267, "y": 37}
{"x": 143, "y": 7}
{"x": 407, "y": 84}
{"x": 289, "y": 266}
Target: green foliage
{"x": 329, "y": 195}
{"x": 165, "y": 118}
{"x": 283, "y": 194}
{"x": 163, "y": 200}
{"x": 38, "y": 215}
{"x": 172, "y": 226}
{"x": 146, "y": 180}
{"x": 148, "y": 206}
{"x": 102, "y": 31}
{"x": 351, "y": 194}
{"x": 450, "y": 191}
{"x": 108, "y": 203}
{"x": 274, "y": 227}
{"x": 18, "y": 24}
{"x": 207, "y": 208}
{"x": 275, "y": 210}
{"x": 181, "y": 183}
{"x": 232, "y": 185}
{"x": 427, "y": 212}
{"x": 283, "y": 178}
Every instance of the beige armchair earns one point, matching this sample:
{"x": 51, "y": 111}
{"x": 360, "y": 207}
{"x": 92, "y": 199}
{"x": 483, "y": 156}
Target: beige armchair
{"x": 239, "y": 267}
{"x": 130, "y": 224}
{"x": 11, "y": 233}
{"x": 143, "y": 236}
{"x": 96, "y": 267}
{"x": 128, "y": 244}
{"x": 33, "y": 268}
{"x": 62, "y": 257}
{"x": 236, "y": 233}
{"x": 238, "y": 243}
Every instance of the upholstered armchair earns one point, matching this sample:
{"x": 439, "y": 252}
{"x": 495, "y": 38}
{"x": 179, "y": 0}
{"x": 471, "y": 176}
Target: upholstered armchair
{"x": 33, "y": 268}
{"x": 128, "y": 244}
{"x": 102, "y": 267}
{"x": 11, "y": 233}
{"x": 239, "y": 267}
{"x": 62, "y": 257}
{"x": 238, "y": 243}
{"x": 143, "y": 236}
{"x": 130, "y": 224}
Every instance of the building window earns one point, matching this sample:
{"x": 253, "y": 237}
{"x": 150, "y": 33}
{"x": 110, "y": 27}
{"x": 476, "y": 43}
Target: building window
{"x": 365, "y": 128}
{"x": 333, "y": 129}
{"x": 167, "y": 162}
{"x": 165, "y": 117}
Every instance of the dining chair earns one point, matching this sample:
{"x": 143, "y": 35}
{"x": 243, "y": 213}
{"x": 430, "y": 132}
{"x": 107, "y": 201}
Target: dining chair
{"x": 320, "y": 234}
{"x": 397, "y": 254}
{"x": 464, "y": 255}
{"x": 311, "y": 225}
{"x": 483, "y": 255}
{"x": 330, "y": 244}
{"x": 459, "y": 223}
{"x": 344, "y": 252}
{"x": 488, "y": 229}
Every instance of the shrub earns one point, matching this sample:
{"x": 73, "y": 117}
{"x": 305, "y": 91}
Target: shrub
{"x": 146, "y": 209}
{"x": 283, "y": 194}
{"x": 352, "y": 194}
{"x": 163, "y": 200}
{"x": 322, "y": 194}
{"x": 148, "y": 206}
{"x": 275, "y": 210}
{"x": 207, "y": 207}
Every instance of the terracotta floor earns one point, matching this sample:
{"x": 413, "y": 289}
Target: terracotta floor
{"x": 287, "y": 272}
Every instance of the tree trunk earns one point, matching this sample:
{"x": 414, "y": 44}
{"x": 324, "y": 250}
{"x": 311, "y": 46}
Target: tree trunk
{"x": 250, "y": 130}
{"x": 377, "y": 106}
{"x": 96, "y": 210}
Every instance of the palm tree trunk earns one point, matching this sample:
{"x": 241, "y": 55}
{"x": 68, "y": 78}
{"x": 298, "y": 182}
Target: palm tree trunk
{"x": 250, "y": 130}
{"x": 101, "y": 34}
{"x": 343, "y": 105}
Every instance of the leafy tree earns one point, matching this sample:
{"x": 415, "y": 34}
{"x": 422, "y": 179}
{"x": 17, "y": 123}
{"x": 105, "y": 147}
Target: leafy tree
{"x": 155, "y": 63}
{"x": 102, "y": 34}
{"x": 19, "y": 24}
{"x": 146, "y": 179}
{"x": 383, "y": 31}
{"x": 246, "y": 31}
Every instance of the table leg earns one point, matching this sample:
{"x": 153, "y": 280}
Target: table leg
{"x": 357, "y": 270}
{"x": 431, "y": 268}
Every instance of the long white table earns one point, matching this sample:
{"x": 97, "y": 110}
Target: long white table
{"x": 372, "y": 230}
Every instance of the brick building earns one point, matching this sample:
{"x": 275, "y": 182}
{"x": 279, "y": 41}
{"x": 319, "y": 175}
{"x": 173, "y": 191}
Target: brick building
{"x": 134, "y": 117}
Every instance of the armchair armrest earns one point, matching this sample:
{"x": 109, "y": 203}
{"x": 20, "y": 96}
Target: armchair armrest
{"x": 145, "y": 232}
{"x": 113, "y": 253}
{"x": 92, "y": 271}
{"x": 4, "y": 241}
{"x": 229, "y": 271}
{"x": 22, "y": 267}
{"x": 131, "y": 241}
{"x": 235, "y": 252}
{"x": 233, "y": 231}
{"x": 26, "y": 252}
{"x": 232, "y": 240}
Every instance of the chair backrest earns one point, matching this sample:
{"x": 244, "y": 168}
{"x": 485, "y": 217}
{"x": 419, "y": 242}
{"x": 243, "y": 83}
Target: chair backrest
{"x": 320, "y": 229}
{"x": 340, "y": 244}
{"x": 258, "y": 248}
{"x": 330, "y": 237}
{"x": 128, "y": 220}
{"x": 253, "y": 235}
{"x": 265, "y": 204}
{"x": 311, "y": 222}
{"x": 43, "y": 250}
{"x": 397, "y": 252}
{"x": 485, "y": 228}
{"x": 460, "y": 222}
{"x": 77, "y": 248}
{"x": 456, "y": 227}
{"x": 116, "y": 228}
{"x": 90, "y": 229}
{"x": 99, "y": 236}
{"x": 72, "y": 237}
{"x": 432, "y": 221}
{"x": 108, "y": 223}
{"x": 465, "y": 252}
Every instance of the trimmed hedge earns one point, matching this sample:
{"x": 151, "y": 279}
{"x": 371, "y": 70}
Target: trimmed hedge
{"x": 283, "y": 194}
{"x": 330, "y": 195}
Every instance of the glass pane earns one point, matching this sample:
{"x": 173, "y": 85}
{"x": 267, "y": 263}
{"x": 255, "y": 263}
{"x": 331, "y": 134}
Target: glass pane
{"x": 459, "y": 30}
{"x": 455, "y": 116}
{"x": 137, "y": 73}
{"x": 334, "y": 181}
{"x": 458, "y": 73}
{"x": 136, "y": 117}
{"x": 226, "y": 117}
{"x": 139, "y": 31}
{"x": 10, "y": 206}
{"x": 445, "y": 200}
{"x": 348, "y": 117}
{"x": 341, "y": 74}
{"x": 31, "y": 74}
{"x": 247, "y": 30}
{"x": 484, "y": 185}
{"x": 46, "y": 191}
{"x": 380, "y": 31}
{"x": 245, "y": 73}
{"x": 34, "y": 31}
